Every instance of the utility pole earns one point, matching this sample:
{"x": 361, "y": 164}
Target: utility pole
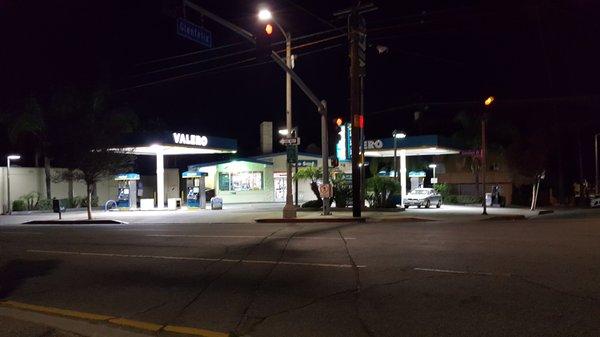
{"x": 596, "y": 155}
{"x": 357, "y": 37}
{"x": 483, "y": 161}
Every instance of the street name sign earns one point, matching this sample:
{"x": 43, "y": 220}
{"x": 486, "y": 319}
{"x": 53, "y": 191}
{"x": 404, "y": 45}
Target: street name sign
{"x": 289, "y": 141}
{"x": 194, "y": 32}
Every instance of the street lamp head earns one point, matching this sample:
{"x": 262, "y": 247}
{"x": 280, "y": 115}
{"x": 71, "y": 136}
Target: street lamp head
{"x": 265, "y": 15}
{"x": 488, "y": 101}
{"x": 13, "y": 157}
{"x": 399, "y": 134}
{"x": 432, "y": 165}
{"x": 283, "y": 132}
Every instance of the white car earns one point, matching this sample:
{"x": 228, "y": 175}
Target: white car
{"x": 425, "y": 197}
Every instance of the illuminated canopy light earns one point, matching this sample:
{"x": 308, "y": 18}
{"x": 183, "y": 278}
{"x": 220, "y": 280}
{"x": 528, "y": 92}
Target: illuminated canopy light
{"x": 168, "y": 150}
{"x": 14, "y": 157}
{"x": 264, "y": 15}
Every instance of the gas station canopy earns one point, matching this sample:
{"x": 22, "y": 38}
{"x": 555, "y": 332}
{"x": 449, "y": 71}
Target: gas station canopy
{"x": 428, "y": 145}
{"x": 174, "y": 143}
{"x": 177, "y": 143}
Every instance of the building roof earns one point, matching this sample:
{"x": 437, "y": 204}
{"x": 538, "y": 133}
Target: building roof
{"x": 176, "y": 143}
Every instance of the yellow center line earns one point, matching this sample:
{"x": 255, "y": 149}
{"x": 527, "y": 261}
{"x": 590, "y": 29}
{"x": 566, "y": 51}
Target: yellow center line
{"x": 123, "y": 322}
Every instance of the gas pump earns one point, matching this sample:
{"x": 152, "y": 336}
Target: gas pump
{"x": 196, "y": 188}
{"x": 127, "y": 190}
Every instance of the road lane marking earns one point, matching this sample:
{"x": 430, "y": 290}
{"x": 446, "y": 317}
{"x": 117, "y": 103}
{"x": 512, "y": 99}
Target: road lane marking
{"x": 449, "y": 271}
{"x": 190, "y": 258}
{"x": 57, "y": 311}
{"x": 242, "y": 237}
{"x": 136, "y": 324}
{"x": 24, "y": 232}
{"x": 123, "y": 322}
{"x": 193, "y": 331}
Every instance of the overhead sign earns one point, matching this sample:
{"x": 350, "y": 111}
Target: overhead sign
{"x": 290, "y": 141}
{"x": 416, "y": 174}
{"x": 373, "y": 144}
{"x": 307, "y": 163}
{"x": 187, "y": 139}
{"x": 194, "y": 32}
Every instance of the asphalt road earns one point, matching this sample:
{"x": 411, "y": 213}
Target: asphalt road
{"x": 536, "y": 277}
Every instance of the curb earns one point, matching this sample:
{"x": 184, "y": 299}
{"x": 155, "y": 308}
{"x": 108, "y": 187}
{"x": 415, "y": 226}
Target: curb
{"x": 112, "y": 320}
{"x": 311, "y": 220}
{"x": 505, "y": 217}
{"x": 75, "y": 222}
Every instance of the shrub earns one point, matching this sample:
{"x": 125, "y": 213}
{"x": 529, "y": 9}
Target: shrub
{"x": 44, "y": 204}
{"x": 462, "y": 199}
{"x": 31, "y": 200}
{"x": 380, "y": 189}
{"x": 19, "y": 205}
{"x": 313, "y": 204}
{"x": 84, "y": 201}
{"x": 75, "y": 202}
{"x": 342, "y": 193}
{"x": 443, "y": 189}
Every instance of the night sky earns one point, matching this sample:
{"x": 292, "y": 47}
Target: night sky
{"x": 539, "y": 58}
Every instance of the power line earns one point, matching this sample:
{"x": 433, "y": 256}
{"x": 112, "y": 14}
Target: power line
{"x": 221, "y": 69}
{"x": 189, "y": 54}
{"x": 232, "y": 54}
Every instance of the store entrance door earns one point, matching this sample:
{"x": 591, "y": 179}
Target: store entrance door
{"x": 280, "y": 186}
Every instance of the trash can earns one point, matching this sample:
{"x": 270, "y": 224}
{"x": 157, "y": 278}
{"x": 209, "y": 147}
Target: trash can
{"x": 488, "y": 199}
{"x": 216, "y": 203}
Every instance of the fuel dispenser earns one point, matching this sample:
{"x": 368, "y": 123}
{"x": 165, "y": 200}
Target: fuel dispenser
{"x": 127, "y": 190}
{"x": 417, "y": 179}
{"x": 196, "y": 188}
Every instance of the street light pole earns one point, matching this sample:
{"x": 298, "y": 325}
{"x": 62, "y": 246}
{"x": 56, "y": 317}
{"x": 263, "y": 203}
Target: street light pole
{"x": 289, "y": 210}
{"x": 396, "y": 176}
{"x": 487, "y": 103}
{"x": 8, "y": 158}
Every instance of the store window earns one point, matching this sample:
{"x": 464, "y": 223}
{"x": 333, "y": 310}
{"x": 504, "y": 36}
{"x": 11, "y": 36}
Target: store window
{"x": 241, "y": 181}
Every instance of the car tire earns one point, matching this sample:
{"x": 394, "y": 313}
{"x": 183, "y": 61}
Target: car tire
{"x": 427, "y": 204}
{"x": 418, "y": 206}
{"x": 439, "y": 204}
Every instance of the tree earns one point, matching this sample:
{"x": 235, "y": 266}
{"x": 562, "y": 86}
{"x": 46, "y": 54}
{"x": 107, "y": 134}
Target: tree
{"x": 28, "y": 126}
{"x": 313, "y": 174}
{"x": 94, "y": 165}
{"x": 96, "y": 128}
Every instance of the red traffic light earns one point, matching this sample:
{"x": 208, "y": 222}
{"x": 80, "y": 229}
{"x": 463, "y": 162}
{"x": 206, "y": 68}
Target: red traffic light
{"x": 269, "y": 29}
{"x": 339, "y": 121}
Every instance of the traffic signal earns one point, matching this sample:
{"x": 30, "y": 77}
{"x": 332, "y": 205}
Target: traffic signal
{"x": 338, "y": 129}
{"x": 264, "y": 40}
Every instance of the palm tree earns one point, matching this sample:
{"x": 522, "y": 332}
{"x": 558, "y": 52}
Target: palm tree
{"x": 29, "y": 127}
{"x": 313, "y": 174}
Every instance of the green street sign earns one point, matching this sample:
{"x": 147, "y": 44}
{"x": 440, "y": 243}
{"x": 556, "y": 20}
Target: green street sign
{"x": 292, "y": 153}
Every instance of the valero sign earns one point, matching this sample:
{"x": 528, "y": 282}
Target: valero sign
{"x": 187, "y": 139}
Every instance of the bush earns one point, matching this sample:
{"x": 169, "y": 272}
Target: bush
{"x": 342, "y": 193}
{"x": 44, "y": 204}
{"x": 462, "y": 199}
{"x": 84, "y": 201}
{"x": 313, "y": 204}
{"x": 443, "y": 189}
{"x": 19, "y": 205}
{"x": 75, "y": 202}
{"x": 31, "y": 200}
{"x": 380, "y": 189}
